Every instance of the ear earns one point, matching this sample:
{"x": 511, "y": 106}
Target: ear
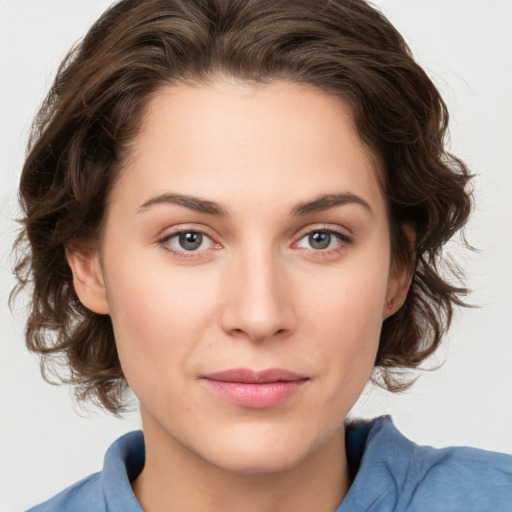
{"x": 399, "y": 280}
{"x": 88, "y": 278}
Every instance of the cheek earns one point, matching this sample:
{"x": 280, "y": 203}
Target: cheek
{"x": 344, "y": 316}
{"x": 157, "y": 315}
{"x": 349, "y": 299}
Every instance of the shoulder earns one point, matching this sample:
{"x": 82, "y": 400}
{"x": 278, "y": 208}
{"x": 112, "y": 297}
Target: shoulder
{"x": 400, "y": 475}
{"x": 108, "y": 490}
{"x": 87, "y": 491}
{"x": 479, "y": 479}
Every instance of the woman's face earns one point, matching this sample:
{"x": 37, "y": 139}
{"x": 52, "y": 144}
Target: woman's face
{"x": 245, "y": 264}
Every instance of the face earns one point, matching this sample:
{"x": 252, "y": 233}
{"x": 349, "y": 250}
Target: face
{"x": 245, "y": 264}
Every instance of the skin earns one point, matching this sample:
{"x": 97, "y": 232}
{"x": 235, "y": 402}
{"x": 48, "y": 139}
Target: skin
{"x": 258, "y": 292}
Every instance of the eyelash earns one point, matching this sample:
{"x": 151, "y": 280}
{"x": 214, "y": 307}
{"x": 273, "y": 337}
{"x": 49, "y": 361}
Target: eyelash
{"x": 164, "y": 242}
{"x": 342, "y": 238}
{"x": 343, "y": 241}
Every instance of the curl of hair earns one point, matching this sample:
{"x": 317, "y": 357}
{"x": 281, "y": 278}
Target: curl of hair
{"x": 93, "y": 111}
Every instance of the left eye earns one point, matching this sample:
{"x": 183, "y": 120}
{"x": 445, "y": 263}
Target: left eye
{"x": 320, "y": 240}
{"x": 189, "y": 241}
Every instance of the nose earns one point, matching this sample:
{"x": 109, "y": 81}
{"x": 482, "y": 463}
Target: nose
{"x": 258, "y": 303}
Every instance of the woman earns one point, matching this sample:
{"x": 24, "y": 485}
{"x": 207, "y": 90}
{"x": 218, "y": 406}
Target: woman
{"x": 237, "y": 208}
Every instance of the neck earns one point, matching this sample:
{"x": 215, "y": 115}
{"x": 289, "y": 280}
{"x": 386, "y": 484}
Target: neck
{"x": 176, "y": 479}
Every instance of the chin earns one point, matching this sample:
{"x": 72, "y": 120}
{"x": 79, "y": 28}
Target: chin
{"x": 257, "y": 453}
{"x": 250, "y": 462}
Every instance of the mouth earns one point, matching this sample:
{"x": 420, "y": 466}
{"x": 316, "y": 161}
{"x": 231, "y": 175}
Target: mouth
{"x": 255, "y": 389}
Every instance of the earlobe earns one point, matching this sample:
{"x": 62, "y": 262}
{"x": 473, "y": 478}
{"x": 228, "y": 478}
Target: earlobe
{"x": 400, "y": 279}
{"x": 88, "y": 278}
{"x": 398, "y": 287}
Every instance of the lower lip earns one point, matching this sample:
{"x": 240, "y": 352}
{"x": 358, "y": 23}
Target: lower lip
{"x": 256, "y": 396}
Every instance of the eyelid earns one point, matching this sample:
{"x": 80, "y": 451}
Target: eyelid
{"x": 164, "y": 239}
{"x": 343, "y": 238}
{"x": 343, "y": 233}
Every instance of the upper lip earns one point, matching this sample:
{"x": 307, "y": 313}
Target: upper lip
{"x": 247, "y": 376}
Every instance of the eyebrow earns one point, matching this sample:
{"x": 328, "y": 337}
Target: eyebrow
{"x": 321, "y": 203}
{"x": 327, "y": 201}
{"x": 194, "y": 203}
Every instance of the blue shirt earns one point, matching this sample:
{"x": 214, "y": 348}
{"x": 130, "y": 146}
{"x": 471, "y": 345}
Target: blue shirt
{"x": 391, "y": 474}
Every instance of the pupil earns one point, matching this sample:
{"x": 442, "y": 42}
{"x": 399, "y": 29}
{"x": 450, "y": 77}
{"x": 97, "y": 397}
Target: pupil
{"x": 190, "y": 241}
{"x": 319, "y": 240}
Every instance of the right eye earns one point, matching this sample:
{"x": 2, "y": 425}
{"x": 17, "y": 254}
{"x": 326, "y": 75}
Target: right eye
{"x": 187, "y": 241}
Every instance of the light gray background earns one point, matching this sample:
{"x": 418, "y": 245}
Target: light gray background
{"x": 466, "y": 46}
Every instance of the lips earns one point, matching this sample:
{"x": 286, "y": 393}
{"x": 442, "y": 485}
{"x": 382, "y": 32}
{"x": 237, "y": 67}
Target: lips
{"x": 255, "y": 389}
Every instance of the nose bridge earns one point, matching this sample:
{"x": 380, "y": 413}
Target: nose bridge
{"x": 259, "y": 304}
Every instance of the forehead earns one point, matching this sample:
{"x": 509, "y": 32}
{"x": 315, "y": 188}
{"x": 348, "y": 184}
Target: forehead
{"x": 253, "y": 140}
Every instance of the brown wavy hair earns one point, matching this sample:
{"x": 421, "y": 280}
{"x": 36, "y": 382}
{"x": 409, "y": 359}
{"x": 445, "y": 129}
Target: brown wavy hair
{"x": 82, "y": 132}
